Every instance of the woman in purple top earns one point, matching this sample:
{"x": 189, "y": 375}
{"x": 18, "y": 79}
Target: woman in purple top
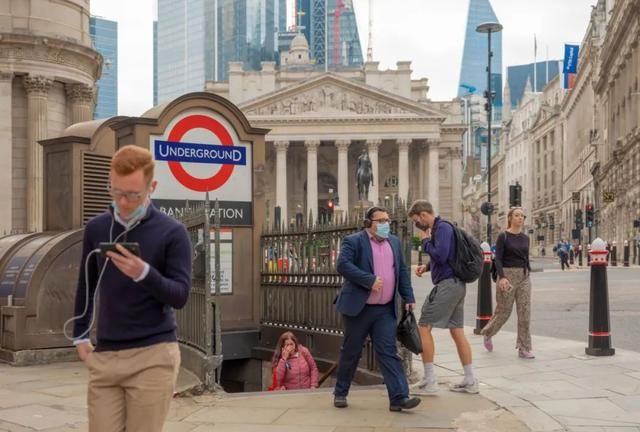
{"x": 293, "y": 365}
{"x": 514, "y": 284}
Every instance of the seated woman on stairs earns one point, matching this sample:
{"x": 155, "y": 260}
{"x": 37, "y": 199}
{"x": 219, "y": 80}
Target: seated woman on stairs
{"x": 293, "y": 365}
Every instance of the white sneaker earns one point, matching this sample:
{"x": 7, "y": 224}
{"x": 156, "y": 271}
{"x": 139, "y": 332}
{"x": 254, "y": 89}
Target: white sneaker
{"x": 465, "y": 388}
{"x": 423, "y": 388}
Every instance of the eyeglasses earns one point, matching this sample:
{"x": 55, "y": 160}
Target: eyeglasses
{"x": 117, "y": 194}
{"x": 381, "y": 220}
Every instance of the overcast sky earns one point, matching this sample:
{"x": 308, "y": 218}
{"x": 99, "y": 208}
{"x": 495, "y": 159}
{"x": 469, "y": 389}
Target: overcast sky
{"x": 430, "y": 33}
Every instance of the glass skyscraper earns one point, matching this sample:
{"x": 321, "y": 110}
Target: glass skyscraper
{"x": 519, "y": 75}
{"x": 192, "y": 49}
{"x": 473, "y": 72}
{"x": 104, "y": 34}
{"x": 345, "y": 50}
{"x": 155, "y": 63}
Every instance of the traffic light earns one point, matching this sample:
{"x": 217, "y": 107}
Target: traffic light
{"x": 330, "y": 205}
{"x": 579, "y": 219}
{"x": 515, "y": 195}
{"x": 588, "y": 210}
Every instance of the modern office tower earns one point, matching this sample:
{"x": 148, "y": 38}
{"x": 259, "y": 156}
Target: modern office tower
{"x": 344, "y": 48}
{"x": 191, "y": 49}
{"x": 104, "y": 34}
{"x": 520, "y": 74}
{"x": 473, "y": 72}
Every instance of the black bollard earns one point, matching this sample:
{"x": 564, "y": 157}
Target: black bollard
{"x": 599, "y": 326}
{"x": 614, "y": 255}
{"x": 588, "y": 255}
{"x": 571, "y": 256}
{"x": 580, "y": 255}
{"x": 485, "y": 300}
{"x": 626, "y": 252}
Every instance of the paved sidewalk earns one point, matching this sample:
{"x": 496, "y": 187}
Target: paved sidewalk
{"x": 562, "y": 389}
{"x": 52, "y": 398}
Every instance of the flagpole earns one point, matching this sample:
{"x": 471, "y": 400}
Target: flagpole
{"x": 546, "y": 77}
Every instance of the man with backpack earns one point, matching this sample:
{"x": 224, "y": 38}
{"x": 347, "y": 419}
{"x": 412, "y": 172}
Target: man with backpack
{"x": 450, "y": 249}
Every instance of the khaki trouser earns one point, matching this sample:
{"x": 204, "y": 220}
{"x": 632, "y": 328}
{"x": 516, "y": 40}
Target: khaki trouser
{"x": 130, "y": 390}
{"x": 521, "y": 293}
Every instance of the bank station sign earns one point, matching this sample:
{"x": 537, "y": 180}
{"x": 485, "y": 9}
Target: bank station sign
{"x": 198, "y": 153}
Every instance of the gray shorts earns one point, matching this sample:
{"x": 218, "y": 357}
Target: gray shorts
{"x": 444, "y": 308}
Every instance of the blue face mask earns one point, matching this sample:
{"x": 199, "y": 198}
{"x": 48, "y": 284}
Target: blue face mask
{"x": 133, "y": 218}
{"x": 383, "y": 230}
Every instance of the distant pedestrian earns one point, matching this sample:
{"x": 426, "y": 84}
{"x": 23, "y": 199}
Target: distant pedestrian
{"x": 512, "y": 263}
{"x": 564, "y": 258}
{"x": 293, "y": 365}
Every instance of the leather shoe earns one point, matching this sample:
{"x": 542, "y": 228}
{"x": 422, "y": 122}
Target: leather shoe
{"x": 340, "y": 401}
{"x": 406, "y": 403}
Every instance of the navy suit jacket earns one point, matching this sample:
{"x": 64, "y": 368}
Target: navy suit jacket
{"x": 355, "y": 264}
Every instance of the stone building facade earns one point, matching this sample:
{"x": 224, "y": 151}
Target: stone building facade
{"x": 546, "y": 169}
{"x": 320, "y": 123}
{"x": 48, "y": 70}
{"x": 616, "y": 136}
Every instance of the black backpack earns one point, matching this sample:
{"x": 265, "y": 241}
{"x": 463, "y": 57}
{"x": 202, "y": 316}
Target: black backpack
{"x": 468, "y": 262}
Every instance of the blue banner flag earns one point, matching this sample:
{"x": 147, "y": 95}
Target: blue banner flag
{"x": 571, "y": 58}
{"x": 570, "y": 66}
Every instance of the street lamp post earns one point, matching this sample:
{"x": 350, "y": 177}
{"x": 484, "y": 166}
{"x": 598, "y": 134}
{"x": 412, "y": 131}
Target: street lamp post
{"x": 488, "y": 28}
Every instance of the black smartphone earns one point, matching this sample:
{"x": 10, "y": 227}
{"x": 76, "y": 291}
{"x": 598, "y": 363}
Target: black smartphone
{"x": 134, "y": 248}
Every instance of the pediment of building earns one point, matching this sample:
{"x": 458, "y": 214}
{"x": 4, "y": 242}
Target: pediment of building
{"x": 330, "y": 95}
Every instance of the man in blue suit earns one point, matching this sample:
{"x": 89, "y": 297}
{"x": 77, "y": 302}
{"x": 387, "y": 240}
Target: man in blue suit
{"x": 374, "y": 273}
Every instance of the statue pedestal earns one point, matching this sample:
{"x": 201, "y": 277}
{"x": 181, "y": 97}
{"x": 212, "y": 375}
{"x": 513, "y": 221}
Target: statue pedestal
{"x": 361, "y": 206}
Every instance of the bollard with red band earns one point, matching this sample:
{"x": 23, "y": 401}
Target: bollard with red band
{"x": 580, "y": 255}
{"x": 485, "y": 300}
{"x": 599, "y": 325}
{"x": 614, "y": 254}
{"x": 626, "y": 252}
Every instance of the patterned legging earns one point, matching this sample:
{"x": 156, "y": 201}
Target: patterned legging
{"x": 521, "y": 293}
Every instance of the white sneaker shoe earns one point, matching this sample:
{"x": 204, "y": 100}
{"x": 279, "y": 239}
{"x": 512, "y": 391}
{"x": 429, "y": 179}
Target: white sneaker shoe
{"x": 465, "y": 388}
{"x": 423, "y": 388}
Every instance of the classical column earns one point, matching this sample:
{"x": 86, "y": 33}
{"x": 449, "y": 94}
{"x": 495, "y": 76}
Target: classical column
{"x": 372, "y": 146}
{"x": 6, "y": 162}
{"x": 403, "y": 168}
{"x": 343, "y": 172}
{"x": 281, "y": 178}
{"x": 37, "y": 119}
{"x": 434, "y": 175}
{"x": 312, "y": 177}
{"x": 423, "y": 167}
{"x": 456, "y": 179}
{"x": 81, "y": 97}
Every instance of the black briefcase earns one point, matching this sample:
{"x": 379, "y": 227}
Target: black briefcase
{"x": 408, "y": 333}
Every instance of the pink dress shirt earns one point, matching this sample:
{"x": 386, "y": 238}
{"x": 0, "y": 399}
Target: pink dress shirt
{"x": 384, "y": 267}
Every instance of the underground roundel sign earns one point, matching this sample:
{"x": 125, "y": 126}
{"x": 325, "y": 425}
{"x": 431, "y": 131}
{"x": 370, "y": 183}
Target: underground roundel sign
{"x": 200, "y": 152}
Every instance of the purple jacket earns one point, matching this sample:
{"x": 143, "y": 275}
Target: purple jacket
{"x": 298, "y": 372}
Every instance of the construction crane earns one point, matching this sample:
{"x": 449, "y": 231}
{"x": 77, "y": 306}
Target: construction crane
{"x": 337, "y": 14}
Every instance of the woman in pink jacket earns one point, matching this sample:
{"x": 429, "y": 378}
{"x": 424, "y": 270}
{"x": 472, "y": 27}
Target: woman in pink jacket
{"x": 293, "y": 365}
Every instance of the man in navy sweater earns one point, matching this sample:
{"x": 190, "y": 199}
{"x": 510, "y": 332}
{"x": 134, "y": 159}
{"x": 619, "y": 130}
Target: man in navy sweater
{"x": 134, "y": 366}
{"x": 444, "y": 308}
